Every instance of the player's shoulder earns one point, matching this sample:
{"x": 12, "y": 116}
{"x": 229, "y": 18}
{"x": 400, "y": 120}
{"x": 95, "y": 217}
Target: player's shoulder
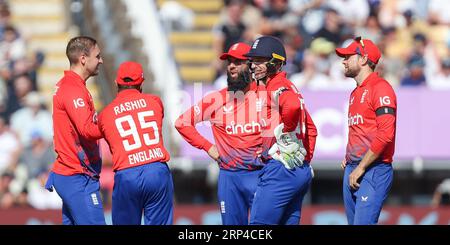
{"x": 382, "y": 84}
{"x": 151, "y": 99}
{"x": 222, "y": 92}
{"x": 67, "y": 86}
{"x": 110, "y": 106}
{"x": 279, "y": 81}
{"x": 215, "y": 95}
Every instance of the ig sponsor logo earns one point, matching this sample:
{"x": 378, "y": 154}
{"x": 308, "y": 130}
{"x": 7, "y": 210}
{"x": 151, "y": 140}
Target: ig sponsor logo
{"x": 78, "y": 103}
{"x": 385, "y": 100}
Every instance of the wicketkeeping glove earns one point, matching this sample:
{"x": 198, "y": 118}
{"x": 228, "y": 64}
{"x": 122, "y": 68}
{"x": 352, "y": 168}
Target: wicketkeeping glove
{"x": 288, "y": 149}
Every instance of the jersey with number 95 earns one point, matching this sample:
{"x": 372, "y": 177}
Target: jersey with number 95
{"x": 132, "y": 126}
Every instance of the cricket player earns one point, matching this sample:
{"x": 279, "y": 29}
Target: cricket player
{"x": 132, "y": 126}
{"x": 288, "y": 139}
{"x": 75, "y": 173}
{"x": 234, "y": 113}
{"x": 371, "y": 138}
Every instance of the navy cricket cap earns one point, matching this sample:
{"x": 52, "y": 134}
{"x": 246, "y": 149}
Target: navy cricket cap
{"x": 268, "y": 47}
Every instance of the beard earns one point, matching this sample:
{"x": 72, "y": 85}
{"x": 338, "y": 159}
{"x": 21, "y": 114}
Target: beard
{"x": 352, "y": 73}
{"x": 240, "y": 83}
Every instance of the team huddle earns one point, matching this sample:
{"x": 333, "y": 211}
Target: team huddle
{"x": 264, "y": 140}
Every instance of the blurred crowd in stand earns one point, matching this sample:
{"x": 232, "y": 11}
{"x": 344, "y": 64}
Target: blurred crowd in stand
{"x": 413, "y": 35}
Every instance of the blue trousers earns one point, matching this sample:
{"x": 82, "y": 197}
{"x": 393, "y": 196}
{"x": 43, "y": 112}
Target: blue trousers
{"x": 80, "y": 194}
{"x": 144, "y": 189}
{"x": 236, "y": 190}
{"x": 279, "y": 194}
{"x": 363, "y": 206}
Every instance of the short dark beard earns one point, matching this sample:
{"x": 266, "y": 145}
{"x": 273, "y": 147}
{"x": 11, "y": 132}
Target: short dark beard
{"x": 240, "y": 83}
{"x": 351, "y": 73}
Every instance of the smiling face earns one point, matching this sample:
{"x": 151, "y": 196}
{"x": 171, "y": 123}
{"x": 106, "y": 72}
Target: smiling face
{"x": 258, "y": 66}
{"x": 92, "y": 61}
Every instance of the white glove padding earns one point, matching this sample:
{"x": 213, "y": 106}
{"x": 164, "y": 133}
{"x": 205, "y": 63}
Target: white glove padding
{"x": 288, "y": 149}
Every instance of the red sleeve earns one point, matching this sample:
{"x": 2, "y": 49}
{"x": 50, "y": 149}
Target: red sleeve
{"x": 311, "y": 135}
{"x": 185, "y": 124}
{"x": 384, "y": 103}
{"x": 80, "y": 110}
{"x": 290, "y": 108}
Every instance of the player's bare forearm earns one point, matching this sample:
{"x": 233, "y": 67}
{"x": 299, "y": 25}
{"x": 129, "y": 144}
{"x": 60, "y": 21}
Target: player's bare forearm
{"x": 359, "y": 171}
{"x": 368, "y": 159}
{"x": 214, "y": 153}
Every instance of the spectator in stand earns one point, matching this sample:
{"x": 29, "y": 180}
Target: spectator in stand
{"x": 6, "y": 197}
{"x": 38, "y": 155}
{"x": 309, "y": 74}
{"x": 4, "y": 17}
{"x": 229, "y": 31}
{"x": 12, "y": 47}
{"x": 277, "y": 16}
{"x": 9, "y": 154}
{"x": 370, "y": 30}
{"x": 36, "y": 158}
{"x": 19, "y": 88}
{"x": 438, "y": 12}
{"x": 40, "y": 198}
{"x": 353, "y": 12}
{"x": 333, "y": 27}
{"x": 441, "y": 80}
{"x": 415, "y": 74}
{"x": 32, "y": 118}
{"x": 10, "y": 148}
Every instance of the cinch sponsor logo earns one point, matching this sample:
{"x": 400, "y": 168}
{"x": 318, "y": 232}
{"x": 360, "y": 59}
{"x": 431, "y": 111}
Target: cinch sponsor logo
{"x": 234, "y": 128}
{"x": 355, "y": 120}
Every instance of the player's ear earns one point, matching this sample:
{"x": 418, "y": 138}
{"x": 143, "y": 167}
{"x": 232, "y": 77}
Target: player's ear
{"x": 82, "y": 59}
{"x": 364, "y": 59}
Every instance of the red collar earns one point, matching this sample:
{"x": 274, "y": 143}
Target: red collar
{"x": 75, "y": 76}
{"x": 278, "y": 76}
{"x": 369, "y": 79}
{"x": 126, "y": 92}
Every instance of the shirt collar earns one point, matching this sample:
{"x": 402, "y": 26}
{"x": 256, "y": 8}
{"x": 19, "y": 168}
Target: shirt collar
{"x": 276, "y": 77}
{"x": 371, "y": 78}
{"x": 75, "y": 76}
{"x": 126, "y": 92}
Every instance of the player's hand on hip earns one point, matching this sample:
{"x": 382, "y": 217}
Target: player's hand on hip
{"x": 343, "y": 164}
{"x": 288, "y": 149}
{"x": 356, "y": 174}
{"x": 214, "y": 153}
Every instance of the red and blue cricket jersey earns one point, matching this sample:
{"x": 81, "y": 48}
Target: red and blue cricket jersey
{"x": 235, "y": 121}
{"x": 286, "y": 105}
{"x": 132, "y": 126}
{"x": 75, "y": 129}
{"x": 372, "y": 120}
